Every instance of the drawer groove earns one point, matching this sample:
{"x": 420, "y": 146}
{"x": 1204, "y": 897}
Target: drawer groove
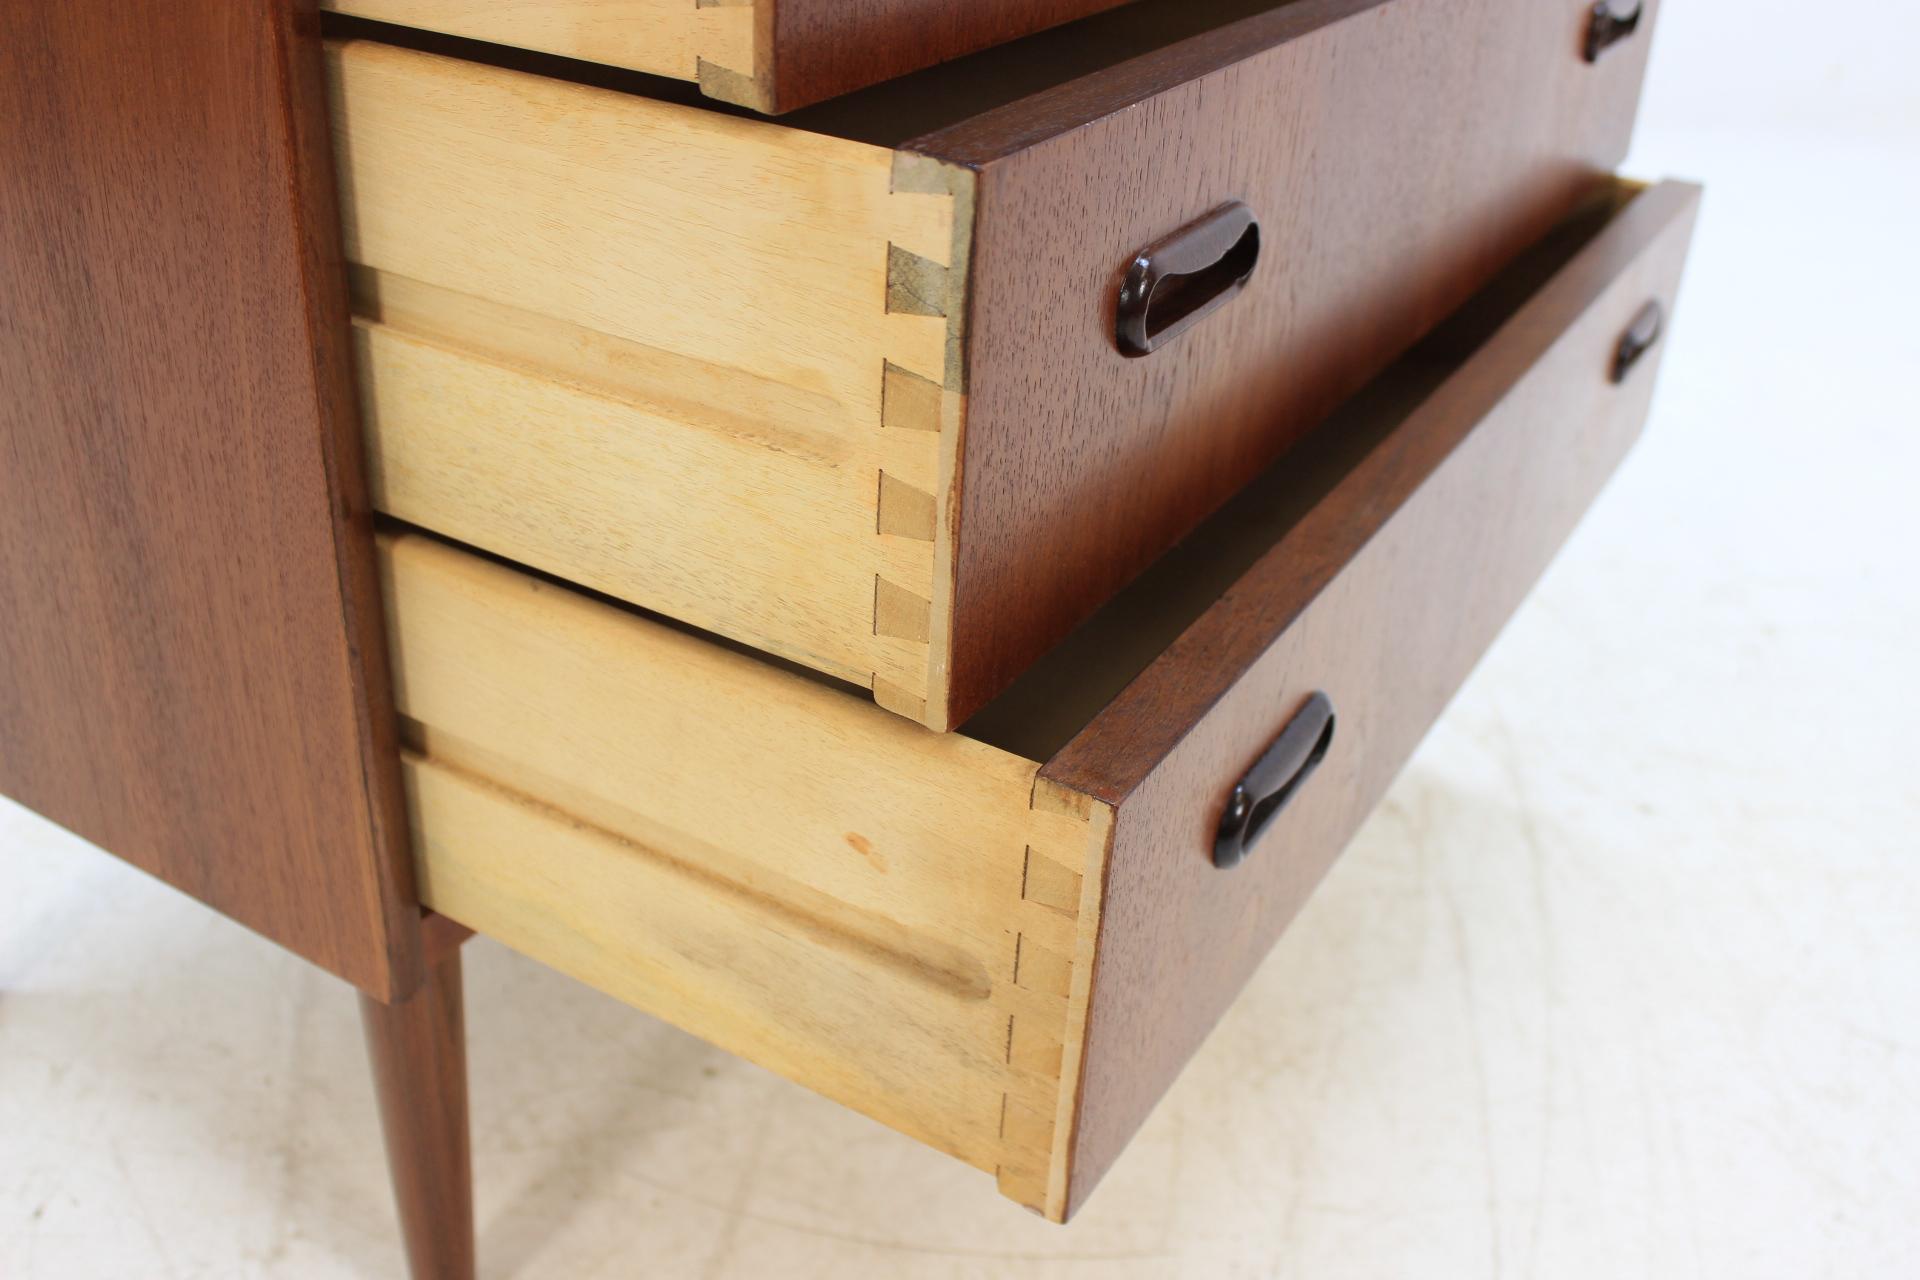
{"x": 684, "y": 39}
{"x": 832, "y": 922}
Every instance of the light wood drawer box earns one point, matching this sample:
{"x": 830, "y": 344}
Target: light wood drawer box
{"x": 771, "y": 55}
{"x": 863, "y": 405}
{"x": 1006, "y": 941}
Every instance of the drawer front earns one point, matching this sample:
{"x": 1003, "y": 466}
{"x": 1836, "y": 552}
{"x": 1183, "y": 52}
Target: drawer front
{"x": 1005, "y": 941}
{"x": 1395, "y": 156}
{"x": 1382, "y": 599}
{"x": 770, "y": 55}
{"x": 862, "y": 406}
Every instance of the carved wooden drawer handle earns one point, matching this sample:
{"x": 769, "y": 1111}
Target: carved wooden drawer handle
{"x": 1276, "y": 776}
{"x": 1174, "y": 283}
{"x": 1638, "y": 339}
{"x": 1611, "y": 22}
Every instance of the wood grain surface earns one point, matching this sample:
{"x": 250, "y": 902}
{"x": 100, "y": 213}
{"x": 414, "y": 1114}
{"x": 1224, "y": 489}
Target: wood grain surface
{"x": 1396, "y": 154}
{"x": 1383, "y": 597}
{"x": 890, "y": 916}
{"x": 417, "y": 1049}
{"x": 192, "y": 669}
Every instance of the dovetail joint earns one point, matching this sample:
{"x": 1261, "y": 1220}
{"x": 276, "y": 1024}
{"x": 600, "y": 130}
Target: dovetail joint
{"x": 899, "y": 613}
{"x": 916, "y": 286}
{"x": 1041, "y": 972}
{"x": 904, "y": 510}
{"x": 908, "y": 401}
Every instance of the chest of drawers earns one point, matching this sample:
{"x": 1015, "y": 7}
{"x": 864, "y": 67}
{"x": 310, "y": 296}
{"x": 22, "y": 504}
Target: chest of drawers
{"x": 916, "y": 590}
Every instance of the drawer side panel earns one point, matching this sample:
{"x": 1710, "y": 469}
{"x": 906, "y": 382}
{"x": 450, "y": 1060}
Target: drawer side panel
{"x": 893, "y": 917}
{"x": 705, "y": 364}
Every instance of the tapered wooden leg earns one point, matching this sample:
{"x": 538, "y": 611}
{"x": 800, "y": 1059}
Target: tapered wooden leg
{"x": 418, "y": 1049}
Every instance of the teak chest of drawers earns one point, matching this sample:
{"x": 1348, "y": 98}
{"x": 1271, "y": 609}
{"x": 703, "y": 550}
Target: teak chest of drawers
{"x": 916, "y": 591}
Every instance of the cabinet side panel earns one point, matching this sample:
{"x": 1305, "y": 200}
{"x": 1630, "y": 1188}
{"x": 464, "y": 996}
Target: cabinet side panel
{"x": 191, "y": 668}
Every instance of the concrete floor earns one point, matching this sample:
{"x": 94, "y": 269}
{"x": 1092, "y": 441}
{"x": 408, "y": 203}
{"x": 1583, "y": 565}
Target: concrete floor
{"x": 1624, "y": 978}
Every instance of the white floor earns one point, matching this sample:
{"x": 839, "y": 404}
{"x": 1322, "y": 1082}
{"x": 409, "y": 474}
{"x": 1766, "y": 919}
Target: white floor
{"x": 1623, "y": 980}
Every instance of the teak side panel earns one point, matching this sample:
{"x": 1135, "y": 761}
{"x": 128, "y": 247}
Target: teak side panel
{"x": 1081, "y": 465}
{"x": 1477, "y": 491}
{"x": 770, "y": 55}
{"x": 192, "y": 666}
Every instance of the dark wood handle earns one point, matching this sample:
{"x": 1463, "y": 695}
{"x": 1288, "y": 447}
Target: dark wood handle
{"x": 1648, "y": 322}
{"x": 1175, "y": 282}
{"x": 1275, "y": 778}
{"x": 1611, "y": 22}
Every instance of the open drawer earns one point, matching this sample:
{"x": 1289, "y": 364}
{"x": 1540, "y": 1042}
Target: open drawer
{"x": 1005, "y": 941}
{"x": 770, "y": 55}
{"x": 850, "y": 388}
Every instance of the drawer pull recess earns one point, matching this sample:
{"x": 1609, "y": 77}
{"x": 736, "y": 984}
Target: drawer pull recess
{"x": 1611, "y": 22}
{"x": 1259, "y": 797}
{"x": 1174, "y": 283}
{"x": 1638, "y": 339}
